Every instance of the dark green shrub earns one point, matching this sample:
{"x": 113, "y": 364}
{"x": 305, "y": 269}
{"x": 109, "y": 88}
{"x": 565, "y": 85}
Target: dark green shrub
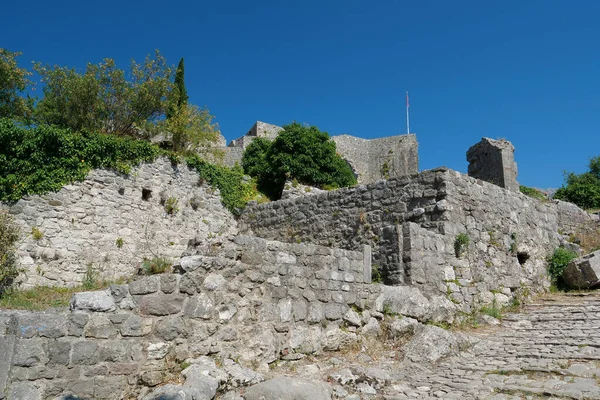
{"x": 235, "y": 192}
{"x": 299, "y": 152}
{"x": 558, "y": 262}
{"x": 461, "y": 243}
{"x": 9, "y": 235}
{"x": 584, "y": 189}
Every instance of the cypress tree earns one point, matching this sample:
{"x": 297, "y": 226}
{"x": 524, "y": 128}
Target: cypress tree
{"x": 182, "y": 97}
{"x": 179, "y": 82}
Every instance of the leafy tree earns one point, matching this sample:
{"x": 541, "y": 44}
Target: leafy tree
{"x": 102, "y": 98}
{"x": 299, "y": 152}
{"x": 583, "y": 189}
{"x": 180, "y": 97}
{"x": 13, "y": 82}
{"x": 191, "y": 130}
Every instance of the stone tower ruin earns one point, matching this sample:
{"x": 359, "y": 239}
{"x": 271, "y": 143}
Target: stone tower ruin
{"x": 494, "y": 161}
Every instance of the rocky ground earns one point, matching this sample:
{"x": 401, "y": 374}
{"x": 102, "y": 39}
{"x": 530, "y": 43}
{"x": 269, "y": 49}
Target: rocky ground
{"x": 549, "y": 350}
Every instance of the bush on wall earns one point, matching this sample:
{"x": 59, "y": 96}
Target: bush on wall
{"x": 299, "y": 152}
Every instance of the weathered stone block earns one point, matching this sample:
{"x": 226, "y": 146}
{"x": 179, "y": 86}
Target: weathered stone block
{"x": 85, "y": 353}
{"x": 59, "y": 353}
{"x": 99, "y": 301}
{"x": 200, "y": 306}
{"x": 584, "y": 272}
{"x": 160, "y": 304}
{"x": 144, "y": 285}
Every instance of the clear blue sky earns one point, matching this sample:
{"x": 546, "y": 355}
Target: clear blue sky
{"x": 524, "y": 70}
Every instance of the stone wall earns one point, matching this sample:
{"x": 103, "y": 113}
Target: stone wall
{"x": 413, "y": 223}
{"x": 250, "y": 300}
{"x": 571, "y": 217}
{"x": 382, "y": 158}
{"x": 352, "y": 217}
{"x": 371, "y": 160}
{"x": 494, "y": 162}
{"x": 107, "y": 224}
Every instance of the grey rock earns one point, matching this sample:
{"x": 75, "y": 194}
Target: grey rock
{"x": 192, "y": 263}
{"x": 353, "y": 318}
{"x": 175, "y": 392}
{"x": 241, "y": 376}
{"x": 136, "y": 326}
{"x": 99, "y": 301}
{"x": 197, "y": 378}
{"x": 100, "y": 327}
{"x": 170, "y": 328}
{"x": 7, "y": 345}
{"x": 584, "y": 272}
{"x": 431, "y": 344}
{"x": 286, "y": 388}
{"x": 160, "y": 304}
{"x": 85, "y": 353}
{"x": 199, "y": 306}
{"x": 403, "y": 327}
{"x": 146, "y": 285}
{"x": 403, "y": 300}
{"x": 25, "y": 391}
{"x": 59, "y": 353}
{"x": 29, "y": 353}
{"x": 334, "y": 339}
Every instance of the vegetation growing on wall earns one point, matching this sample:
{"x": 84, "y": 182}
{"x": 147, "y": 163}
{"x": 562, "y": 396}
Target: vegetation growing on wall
{"x": 583, "y": 189}
{"x": 558, "y": 262}
{"x": 9, "y": 235}
{"x": 532, "y": 192}
{"x": 299, "y": 152}
{"x": 45, "y": 158}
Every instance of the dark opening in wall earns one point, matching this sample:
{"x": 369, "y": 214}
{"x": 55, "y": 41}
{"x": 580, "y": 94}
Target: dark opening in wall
{"x": 522, "y": 257}
{"x": 121, "y": 191}
{"x": 146, "y": 194}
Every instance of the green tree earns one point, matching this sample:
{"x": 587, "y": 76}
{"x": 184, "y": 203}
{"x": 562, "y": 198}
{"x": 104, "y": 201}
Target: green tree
{"x": 583, "y": 189}
{"x": 102, "y": 98}
{"x": 180, "y": 97}
{"x": 192, "y": 130}
{"x": 299, "y": 152}
{"x": 13, "y": 82}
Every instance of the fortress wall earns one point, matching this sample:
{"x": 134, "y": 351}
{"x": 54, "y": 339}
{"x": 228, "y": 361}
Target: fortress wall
{"x": 250, "y": 300}
{"x": 80, "y": 224}
{"x": 412, "y": 224}
{"x": 351, "y": 217}
{"x": 382, "y": 158}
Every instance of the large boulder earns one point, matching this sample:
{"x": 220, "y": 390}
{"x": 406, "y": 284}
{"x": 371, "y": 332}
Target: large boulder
{"x": 286, "y": 388}
{"x": 583, "y": 272}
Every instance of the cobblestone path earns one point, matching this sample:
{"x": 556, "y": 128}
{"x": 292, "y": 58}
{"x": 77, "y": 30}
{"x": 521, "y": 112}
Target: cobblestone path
{"x": 550, "y": 350}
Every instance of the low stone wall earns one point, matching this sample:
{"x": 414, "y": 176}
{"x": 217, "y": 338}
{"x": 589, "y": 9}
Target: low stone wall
{"x": 250, "y": 300}
{"x": 107, "y": 224}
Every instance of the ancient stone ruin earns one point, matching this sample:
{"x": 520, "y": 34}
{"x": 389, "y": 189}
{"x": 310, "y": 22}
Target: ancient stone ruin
{"x": 374, "y": 270}
{"x": 371, "y": 160}
{"x": 493, "y": 161}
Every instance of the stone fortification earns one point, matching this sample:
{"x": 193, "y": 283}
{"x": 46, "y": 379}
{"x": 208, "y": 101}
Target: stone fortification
{"x": 250, "y": 300}
{"x": 494, "y": 161}
{"x": 382, "y": 158}
{"x": 371, "y": 160}
{"x": 413, "y": 224}
{"x": 107, "y": 224}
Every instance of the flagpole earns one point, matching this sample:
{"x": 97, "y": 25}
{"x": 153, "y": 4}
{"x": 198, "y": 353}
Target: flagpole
{"x": 407, "y": 120}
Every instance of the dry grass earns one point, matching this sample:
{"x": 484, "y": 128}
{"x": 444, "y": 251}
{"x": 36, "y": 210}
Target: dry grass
{"x": 43, "y": 297}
